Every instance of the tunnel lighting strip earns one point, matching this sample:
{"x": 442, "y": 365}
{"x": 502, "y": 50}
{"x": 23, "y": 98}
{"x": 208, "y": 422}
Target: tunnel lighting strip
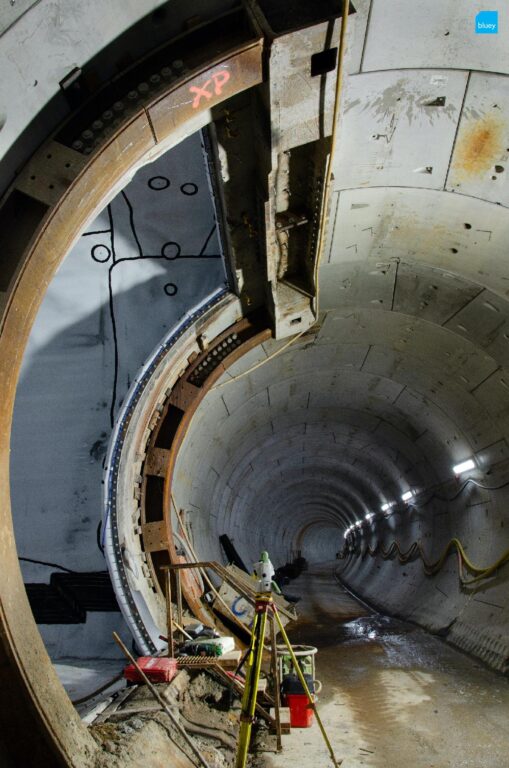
{"x": 110, "y": 539}
{"x": 463, "y": 466}
{"x": 458, "y": 469}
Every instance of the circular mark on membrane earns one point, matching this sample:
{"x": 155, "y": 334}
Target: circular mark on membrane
{"x": 100, "y": 253}
{"x": 239, "y": 607}
{"x": 158, "y": 183}
{"x": 189, "y": 188}
{"x": 170, "y": 250}
{"x": 170, "y": 289}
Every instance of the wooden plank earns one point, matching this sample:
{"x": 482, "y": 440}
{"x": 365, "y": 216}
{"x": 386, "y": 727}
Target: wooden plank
{"x": 184, "y": 394}
{"x": 284, "y": 719}
{"x": 228, "y": 660}
{"x": 156, "y": 462}
{"x": 154, "y": 536}
{"x": 121, "y": 698}
{"x": 50, "y": 172}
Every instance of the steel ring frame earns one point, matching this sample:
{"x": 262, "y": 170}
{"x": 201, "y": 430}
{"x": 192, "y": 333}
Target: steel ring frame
{"x": 34, "y": 698}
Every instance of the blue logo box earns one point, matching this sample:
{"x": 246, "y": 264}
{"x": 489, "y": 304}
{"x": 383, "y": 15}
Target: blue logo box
{"x": 486, "y": 23}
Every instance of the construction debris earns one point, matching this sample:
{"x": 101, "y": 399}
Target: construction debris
{"x": 134, "y": 731}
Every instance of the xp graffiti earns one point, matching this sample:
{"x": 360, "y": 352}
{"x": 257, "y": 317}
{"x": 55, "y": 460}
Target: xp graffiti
{"x": 214, "y": 85}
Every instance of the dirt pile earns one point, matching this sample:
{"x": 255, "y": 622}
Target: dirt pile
{"x": 139, "y": 733}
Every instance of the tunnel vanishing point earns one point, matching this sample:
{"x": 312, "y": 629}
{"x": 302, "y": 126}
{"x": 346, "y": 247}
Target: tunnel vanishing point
{"x": 253, "y": 281}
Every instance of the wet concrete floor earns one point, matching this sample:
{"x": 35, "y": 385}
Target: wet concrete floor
{"x": 393, "y": 695}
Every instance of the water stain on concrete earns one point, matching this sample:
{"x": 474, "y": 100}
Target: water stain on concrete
{"x": 480, "y": 146}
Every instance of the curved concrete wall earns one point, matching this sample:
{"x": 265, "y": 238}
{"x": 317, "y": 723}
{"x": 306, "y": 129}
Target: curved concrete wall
{"x": 42, "y": 43}
{"x": 405, "y": 374}
{"x": 288, "y": 456}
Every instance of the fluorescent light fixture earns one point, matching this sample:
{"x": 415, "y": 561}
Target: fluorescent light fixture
{"x": 463, "y": 466}
{"x": 369, "y": 516}
{"x": 387, "y": 506}
{"x": 407, "y": 496}
{"x": 358, "y": 523}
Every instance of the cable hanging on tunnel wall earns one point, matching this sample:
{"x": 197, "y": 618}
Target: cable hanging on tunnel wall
{"x": 465, "y": 484}
{"x": 431, "y": 568}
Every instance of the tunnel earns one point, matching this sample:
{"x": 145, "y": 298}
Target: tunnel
{"x": 254, "y": 298}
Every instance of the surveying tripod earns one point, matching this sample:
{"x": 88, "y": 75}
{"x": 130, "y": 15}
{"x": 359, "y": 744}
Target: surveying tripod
{"x": 266, "y": 608}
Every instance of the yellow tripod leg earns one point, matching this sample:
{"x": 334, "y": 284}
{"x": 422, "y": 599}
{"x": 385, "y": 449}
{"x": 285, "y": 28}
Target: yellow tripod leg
{"x": 302, "y": 679}
{"x": 251, "y": 687}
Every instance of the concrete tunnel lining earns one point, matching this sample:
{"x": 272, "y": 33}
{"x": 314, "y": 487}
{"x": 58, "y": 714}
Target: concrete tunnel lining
{"x": 415, "y": 397}
{"x": 235, "y": 422}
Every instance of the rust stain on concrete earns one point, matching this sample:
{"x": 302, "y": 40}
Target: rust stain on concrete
{"x": 479, "y": 147}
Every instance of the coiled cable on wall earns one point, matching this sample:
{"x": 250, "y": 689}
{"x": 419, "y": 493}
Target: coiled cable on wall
{"x": 433, "y": 567}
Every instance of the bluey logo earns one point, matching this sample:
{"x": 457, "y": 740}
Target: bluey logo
{"x": 486, "y": 23}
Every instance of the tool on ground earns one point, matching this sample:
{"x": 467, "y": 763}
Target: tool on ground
{"x": 265, "y": 607}
{"x": 208, "y": 646}
{"x": 158, "y": 669}
{"x": 161, "y": 701}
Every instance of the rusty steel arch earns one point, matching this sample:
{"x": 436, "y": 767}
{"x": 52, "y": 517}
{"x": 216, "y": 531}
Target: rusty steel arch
{"x": 54, "y": 197}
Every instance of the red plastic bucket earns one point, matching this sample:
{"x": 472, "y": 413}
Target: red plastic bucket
{"x": 301, "y": 712}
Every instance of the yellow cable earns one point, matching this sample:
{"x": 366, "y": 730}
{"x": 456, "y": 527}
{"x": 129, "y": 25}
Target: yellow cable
{"x": 432, "y": 568}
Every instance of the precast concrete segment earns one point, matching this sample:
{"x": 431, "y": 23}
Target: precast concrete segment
{"x": 276, "y": 464}
{"x": 431, "y": 258}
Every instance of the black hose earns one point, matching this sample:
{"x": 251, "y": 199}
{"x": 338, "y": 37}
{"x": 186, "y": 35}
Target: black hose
{"x": 49, "y": 565}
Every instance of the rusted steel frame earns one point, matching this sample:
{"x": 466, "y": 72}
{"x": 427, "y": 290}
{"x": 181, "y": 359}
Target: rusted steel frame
{"x": 202, "y": 90}
{"x": 214, "y": 566}
{"x": 218, "y": 569}
{"x": 254, "y": 341}
{"x": 42, "y": 707}
{"x": 47, "y": 707}
{"x": 183, "y": 397}
{"x": 157, "y": 459}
